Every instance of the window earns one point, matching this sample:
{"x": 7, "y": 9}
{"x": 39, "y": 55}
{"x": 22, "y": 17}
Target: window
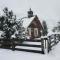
{"x": 35, "y": 32}
{"x": 29, "y": 31}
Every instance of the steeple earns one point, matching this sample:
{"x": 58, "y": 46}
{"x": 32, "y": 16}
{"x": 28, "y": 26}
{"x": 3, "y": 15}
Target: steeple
{"x": 30, "y": 13}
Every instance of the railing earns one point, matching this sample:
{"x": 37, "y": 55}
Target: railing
{"x": 45, "y": 42}
{"x": 13, "y": 43}
{"x": 53, "y": 40}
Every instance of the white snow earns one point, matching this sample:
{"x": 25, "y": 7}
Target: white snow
{"x": 50, "y": 33}
{"x": 29, "y": 48}
{"x": 13, "y": 36}
{"x": 43, "y": 36}
{"x": 37, "y": 38}
{"x": 27, "y": 21}
{"x": 1, "y": 33}
{"x": 6, "y": 54}
{"x": 33, "y": 43}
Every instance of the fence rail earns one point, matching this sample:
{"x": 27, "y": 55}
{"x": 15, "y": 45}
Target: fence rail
{"x": 45, "y": 43}
{"x": 12, "y": 43}
{"x": 56, "y": 39}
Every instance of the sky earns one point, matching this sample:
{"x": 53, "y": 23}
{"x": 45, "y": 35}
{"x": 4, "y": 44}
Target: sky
{"x": 48, "y": 10}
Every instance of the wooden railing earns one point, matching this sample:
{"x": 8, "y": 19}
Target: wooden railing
{"x": 12, "y": 43}
{"x": 53, "y": 40}
{"x": 46, "y": 42}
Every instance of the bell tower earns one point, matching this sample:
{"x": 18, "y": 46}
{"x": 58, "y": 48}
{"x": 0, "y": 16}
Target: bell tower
{"x": 30, "y": 13}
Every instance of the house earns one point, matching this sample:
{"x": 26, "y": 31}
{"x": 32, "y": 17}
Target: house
{"x": 32, "y": 25}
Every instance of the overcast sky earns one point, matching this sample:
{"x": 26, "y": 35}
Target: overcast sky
{"x": 48, "y": 10}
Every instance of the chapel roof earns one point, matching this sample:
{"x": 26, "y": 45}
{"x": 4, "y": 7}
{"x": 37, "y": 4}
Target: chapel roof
{"x": 27, "y": 21}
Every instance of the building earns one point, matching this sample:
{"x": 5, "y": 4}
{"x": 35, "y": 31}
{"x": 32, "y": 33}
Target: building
{"x": 32, "y": 25}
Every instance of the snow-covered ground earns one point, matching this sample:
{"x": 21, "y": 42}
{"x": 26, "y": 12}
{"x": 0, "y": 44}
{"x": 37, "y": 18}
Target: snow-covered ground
{"x": 19, "y": 55}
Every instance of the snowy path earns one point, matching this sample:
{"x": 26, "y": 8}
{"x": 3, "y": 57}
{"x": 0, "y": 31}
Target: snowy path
{"x": 18, "y": 55}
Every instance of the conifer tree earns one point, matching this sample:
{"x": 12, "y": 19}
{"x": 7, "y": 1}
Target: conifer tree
{"x": 45, "y": 29}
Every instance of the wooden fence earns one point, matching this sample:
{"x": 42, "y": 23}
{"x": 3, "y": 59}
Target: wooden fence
{"x": 44, "y": 43}
{"x": 53, "y": 40}
{"x": 12, "y": 43}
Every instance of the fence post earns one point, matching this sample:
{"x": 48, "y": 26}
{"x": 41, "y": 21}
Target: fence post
{"x": 59, "y": 37}
{"x": 13, "y": 44}
{"x": 42, "y": 43}
{"x": 49, "y": 43}
{"x": 46, "y": 44}
{"x": 55, "y": 39}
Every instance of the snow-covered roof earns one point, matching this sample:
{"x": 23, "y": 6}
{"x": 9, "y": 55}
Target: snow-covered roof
{"x": 27, "y": 21}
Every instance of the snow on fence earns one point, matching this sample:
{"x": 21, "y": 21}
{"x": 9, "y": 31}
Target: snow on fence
{"x": 53, "y": 40}
{"x": 36, "y": 46}
{"x": 39, "y": 45}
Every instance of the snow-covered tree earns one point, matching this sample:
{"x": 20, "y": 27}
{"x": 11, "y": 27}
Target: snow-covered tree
{"x": 20, "y": 29}
{"x": 45, "y": 29}
{"x": 56, "y": 28}
{"x": 8, "y": 24}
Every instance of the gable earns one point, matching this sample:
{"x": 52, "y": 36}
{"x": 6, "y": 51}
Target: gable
{"x": 35, "y": 23}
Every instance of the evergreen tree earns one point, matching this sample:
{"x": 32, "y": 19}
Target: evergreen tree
{"x": 45, "y": 29}
{"x": 20, "y": 29}
{"x": 56, "y": 28}
{"x": 7, "y": 23}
